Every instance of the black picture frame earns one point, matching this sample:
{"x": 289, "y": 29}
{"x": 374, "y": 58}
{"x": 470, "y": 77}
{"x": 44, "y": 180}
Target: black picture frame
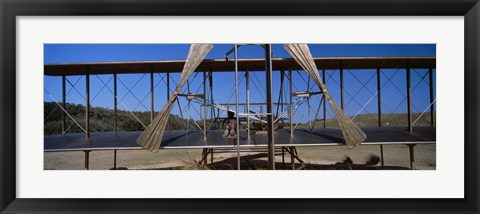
{"x": 9, "y": 9}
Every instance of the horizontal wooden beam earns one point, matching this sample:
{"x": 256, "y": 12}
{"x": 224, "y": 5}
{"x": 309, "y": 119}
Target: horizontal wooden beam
{"x": 223, "y": 65}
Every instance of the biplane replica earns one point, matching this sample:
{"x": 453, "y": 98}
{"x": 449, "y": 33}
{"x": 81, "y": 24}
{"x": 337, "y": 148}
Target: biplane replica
{"x": 258, "y": 131}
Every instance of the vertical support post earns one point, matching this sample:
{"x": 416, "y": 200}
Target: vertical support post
{"x": 280, "y": 96}
{"x": 87, "y": 105}
{"x": 188, "y": 110}
{"x": 211, "y": 156}
{"x": 409, "y": 99}
{"x": 247, "y": 95}
{"x": 342, "y": 103}
{"x": 271, "y": 143}
{"x": 168, "y": 94}
{"x": 64, "y": 103}
{"x": 204, "y": 159}
{"x": 87, "y": 159}
{"x": 237, "y": 139}
{"x": 381, "y": 154}
{"x": 292, "y": 158}
{"x": 291, "y": 96}
{"x": 379, "y": 99}
{"x": 432, "y": 107}
{"x": 115, "y": 159}
{"x": 212, "y": 110}
{"x": 151, "y": 96}
{"x": 324, "y": 102}
{"x": 204, "y": 106}
{"x": 115, "y": 102}
{"x": 282, "y": 73}
{"x": 308, "y": 106}
{"x": 411, "y": 148}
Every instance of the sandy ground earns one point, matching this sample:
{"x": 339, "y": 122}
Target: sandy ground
{"x": 326, "y": 157}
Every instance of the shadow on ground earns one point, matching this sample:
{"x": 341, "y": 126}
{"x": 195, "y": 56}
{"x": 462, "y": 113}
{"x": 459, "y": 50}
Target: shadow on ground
{"x": 252, "y": 162}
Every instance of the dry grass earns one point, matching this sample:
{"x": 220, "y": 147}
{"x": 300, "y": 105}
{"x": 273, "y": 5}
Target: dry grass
{"x": 322, "y": 157}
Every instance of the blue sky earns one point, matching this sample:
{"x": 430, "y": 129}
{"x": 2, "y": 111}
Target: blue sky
{"x": 393, "y": 91}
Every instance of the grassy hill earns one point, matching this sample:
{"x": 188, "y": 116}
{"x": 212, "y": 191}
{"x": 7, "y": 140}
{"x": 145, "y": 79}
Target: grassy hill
{"x": 369, "y": 120}
{"x": 101, "y": 119}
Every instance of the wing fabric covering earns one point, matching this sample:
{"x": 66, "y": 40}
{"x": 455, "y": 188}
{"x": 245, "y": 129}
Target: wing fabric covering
{"x": 151, "y": 138}
{"x": 352, "y": 134}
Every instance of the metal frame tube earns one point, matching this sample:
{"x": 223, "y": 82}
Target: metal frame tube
{"x": 270, "y": 129}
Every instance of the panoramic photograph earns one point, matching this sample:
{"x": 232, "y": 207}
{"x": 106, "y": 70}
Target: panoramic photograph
{"x": 239, "y": 106}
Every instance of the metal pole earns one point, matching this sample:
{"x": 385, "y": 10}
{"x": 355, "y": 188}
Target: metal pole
{"x": 409, "y": 100}
{"x": 324, "y": 102}
{"x": 87, "y": 107}
{"x": 64, "y": 103}
{"x": 291, "y": 96}
{"x": 237, "y": 108}
{"x": 379, "y": 99}
{"x": 115, "y": 124}
{"x": 271, "y": 143}
{"x": 432, "y": 107}
{"x": 204, "y": 106}
{"x": 247, "y": 91}
{"x": 151, "y": 96}
{"x": 341, "y": 88}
